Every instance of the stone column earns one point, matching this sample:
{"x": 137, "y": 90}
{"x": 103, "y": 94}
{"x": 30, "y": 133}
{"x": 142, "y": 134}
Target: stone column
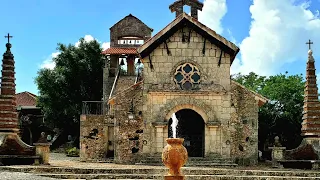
{"x": 130, "y": 65}
{"x": 159, "y": 138}
{"x": 43, "y": 149}
{"x": 106, "y": 89}
{"x": 114, "y": 64}
{"x": 212, "y": 139}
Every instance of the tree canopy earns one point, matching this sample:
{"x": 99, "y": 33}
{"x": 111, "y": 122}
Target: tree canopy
{"x": 282, "y": 116}
{"x": 76, "y": 77}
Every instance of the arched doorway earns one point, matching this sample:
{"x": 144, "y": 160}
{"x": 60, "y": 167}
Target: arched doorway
{"x": 191, "y": 128}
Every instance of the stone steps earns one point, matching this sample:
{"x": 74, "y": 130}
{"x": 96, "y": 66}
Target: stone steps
{"x": 160, "y": 176}
{"x": 192, "y": 162}
{"x": 159, "y": 171}
{"x": 209, "y": 164}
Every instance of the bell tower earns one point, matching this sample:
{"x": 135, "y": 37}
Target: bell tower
{"x": 195, "y": 5}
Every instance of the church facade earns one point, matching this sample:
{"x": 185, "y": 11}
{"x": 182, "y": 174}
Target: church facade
{"x": 186, "y": 71}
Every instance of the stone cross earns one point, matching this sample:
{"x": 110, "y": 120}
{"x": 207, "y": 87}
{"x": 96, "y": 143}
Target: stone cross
{"x": 309, "y": 43}
{"x": 8, "y": 36}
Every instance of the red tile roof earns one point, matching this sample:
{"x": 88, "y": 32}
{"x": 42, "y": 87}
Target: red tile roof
{"x": 26, "y": 99}
{"x": 116, "y": 50}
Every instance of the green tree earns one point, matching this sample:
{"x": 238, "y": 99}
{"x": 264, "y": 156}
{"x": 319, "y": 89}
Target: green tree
{"x": 76, "y": 77}
{"x": 251, "y": 81}
{"x": 282, "y": 116}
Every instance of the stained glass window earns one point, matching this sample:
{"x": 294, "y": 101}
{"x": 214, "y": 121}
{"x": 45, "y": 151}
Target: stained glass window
{"x": 187, "y": 76}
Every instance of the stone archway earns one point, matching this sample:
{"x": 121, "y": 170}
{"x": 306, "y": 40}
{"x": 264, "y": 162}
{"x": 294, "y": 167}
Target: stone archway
{"x": 191, "y": 127}
{"x": 187, "y": 106}
{"x": 174, "y": 105}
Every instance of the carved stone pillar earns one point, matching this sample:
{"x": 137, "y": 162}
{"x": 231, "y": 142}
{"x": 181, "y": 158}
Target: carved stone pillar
{"x": 159, "y": 127}
{"x": 212, "y": 138}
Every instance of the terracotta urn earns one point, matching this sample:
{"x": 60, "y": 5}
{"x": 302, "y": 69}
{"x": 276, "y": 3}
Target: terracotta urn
{"x": 174, "y": 156}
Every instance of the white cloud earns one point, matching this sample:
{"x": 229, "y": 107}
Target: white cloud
{"x": 212, "y": 13}
{"x": 105, "y": 45}
{"x": 87, "y": 38}
{"x": 277, "y": 36}
{"x": 232, "y": 39}
{"x": 236, "y": 65}
{"x": 50, "y": 64}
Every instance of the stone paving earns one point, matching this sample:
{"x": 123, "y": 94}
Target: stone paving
{"x": 21, "y": 176}
{"x": 62, "y": 167}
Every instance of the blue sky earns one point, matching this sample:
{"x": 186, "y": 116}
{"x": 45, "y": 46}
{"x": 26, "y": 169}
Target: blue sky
{"x": 272, "y": 42}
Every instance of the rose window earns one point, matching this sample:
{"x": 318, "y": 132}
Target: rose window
{"x": 187, "y": 76}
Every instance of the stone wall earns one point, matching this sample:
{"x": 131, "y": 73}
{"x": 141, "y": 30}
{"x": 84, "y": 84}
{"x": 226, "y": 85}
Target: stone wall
{"x": 128, "y": 132}
{"x": 244, "y": 125}
{"x": 93, "y": 138}
{"x": 128, "y": 26}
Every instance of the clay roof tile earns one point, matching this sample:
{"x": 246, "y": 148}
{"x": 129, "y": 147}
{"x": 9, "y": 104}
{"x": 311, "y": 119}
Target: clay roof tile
{"x": 26, "y": 99}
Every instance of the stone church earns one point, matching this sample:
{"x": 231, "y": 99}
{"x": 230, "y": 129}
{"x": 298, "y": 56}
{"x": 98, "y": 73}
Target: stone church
{"x": 186, "y": 71}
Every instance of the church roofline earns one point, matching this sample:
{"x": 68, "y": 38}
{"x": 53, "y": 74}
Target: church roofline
{"x": 130, "y": 15}
{"x": 174, "y": 26}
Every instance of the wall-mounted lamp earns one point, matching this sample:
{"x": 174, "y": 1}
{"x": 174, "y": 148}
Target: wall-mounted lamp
{"x": 49, "y": 137}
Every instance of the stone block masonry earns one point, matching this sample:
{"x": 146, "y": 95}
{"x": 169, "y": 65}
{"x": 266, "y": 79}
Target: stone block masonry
{"x": 229, "y": 111}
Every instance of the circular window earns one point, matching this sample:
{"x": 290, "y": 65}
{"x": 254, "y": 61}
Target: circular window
{"x": 187, "y": 76}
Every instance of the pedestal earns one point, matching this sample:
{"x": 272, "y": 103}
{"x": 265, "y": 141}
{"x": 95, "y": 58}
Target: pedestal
{"x": 43, "y": 150}
{"x": 276, "y": 155}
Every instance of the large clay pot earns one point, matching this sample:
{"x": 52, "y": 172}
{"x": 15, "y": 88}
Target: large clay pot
{"x": 174, "y": 156}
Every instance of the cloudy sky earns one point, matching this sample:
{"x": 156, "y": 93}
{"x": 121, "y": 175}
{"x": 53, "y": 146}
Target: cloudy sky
{"x": 271, "y": 34}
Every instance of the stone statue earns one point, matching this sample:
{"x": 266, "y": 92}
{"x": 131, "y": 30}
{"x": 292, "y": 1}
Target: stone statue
{"x": 277, "y": 142}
